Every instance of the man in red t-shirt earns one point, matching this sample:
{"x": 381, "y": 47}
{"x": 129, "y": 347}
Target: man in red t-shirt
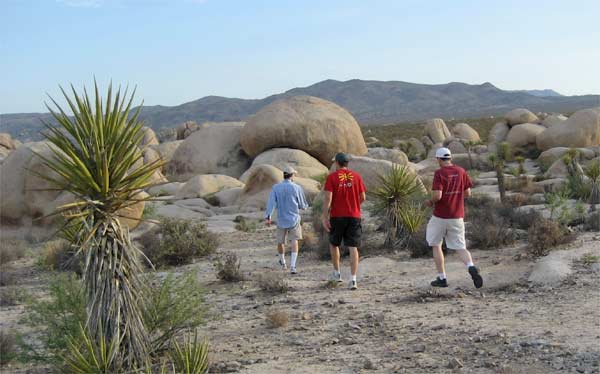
{"x": 344, "y": 193}
{"x": 451, "y": 185}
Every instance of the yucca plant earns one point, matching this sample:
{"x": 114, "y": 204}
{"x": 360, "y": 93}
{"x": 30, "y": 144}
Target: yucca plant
{"x": 498, "y": 165}
{"x": 396, "y": 190}
{"x": 592, "y": 171}
{"x": 191, "y": 357}
{"x": 96, "y": 156}
{"x": 521, "y": 161}
{"x": 469, "y": 145}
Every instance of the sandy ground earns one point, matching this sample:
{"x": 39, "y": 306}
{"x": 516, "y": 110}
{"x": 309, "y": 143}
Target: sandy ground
{"x": 395, "y": 322}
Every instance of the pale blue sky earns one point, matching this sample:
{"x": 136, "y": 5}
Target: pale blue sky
{"x": 180, "y": 50}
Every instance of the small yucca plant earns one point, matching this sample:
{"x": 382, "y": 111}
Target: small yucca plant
{"x": 469, "y": 145}
{"x": 592, "y": 171}
{"x": 498, "y": 165}
{"x": 396, "y": 190}
{"x": 191, "y": 357}
{"x": 96, "y": 157}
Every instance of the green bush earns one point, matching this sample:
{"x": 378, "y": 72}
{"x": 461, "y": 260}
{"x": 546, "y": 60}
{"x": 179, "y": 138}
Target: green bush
{"x": 228, "y": 268}
{"x": 178, "y": 242}
{"x": 545, "y": 234}
{"x": 10, "y": 296}
{"x": 491, "y": 225}
{"x": 173, "y": 305}
{"x": 245, "y": 224}
{"x": 55, "y": 319}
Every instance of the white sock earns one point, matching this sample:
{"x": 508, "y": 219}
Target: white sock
{"x": 354, "y": 278}
{"x": 293, "y": 259}
{"x": 336, "y": 272}
{"x": 282, "y": 257}
{"x": 469, "y": 264}
{"x": 442, "y": 275}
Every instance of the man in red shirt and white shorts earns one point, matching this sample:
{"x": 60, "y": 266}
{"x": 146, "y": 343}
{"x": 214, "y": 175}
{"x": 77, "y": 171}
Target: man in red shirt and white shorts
{"x": 344, "y": 193}
{"x": 451, "y": 185}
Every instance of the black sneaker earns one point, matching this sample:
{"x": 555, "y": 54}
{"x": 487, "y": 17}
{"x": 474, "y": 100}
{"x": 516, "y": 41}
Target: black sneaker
{"x": 438, "y": 282}
{"x": 477, "y": 279}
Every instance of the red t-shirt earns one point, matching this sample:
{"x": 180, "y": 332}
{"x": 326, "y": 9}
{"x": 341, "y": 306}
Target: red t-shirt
{"x": 452, "y": 181}
{"x": 346, "y": 187}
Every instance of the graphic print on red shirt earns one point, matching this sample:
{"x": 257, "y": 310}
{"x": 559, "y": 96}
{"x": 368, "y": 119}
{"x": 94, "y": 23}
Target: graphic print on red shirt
{"x": 346, "y": 187}
{"x": 452, "y": 181}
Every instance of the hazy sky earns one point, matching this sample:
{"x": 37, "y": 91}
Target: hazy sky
{"x": 180, "y": 50}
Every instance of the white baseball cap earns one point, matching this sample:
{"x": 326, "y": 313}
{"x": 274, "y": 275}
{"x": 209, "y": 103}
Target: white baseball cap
{"x": 290, "y": 170}
{"x": 443, "y": 153}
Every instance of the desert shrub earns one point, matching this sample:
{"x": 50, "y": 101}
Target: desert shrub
{"x": 578, "y": 188}
{"x": 178, "y": 242}
{"x": 417, "y": 244}
{"x": 273, "y": 282}
{"x": 55, "y": 319}
{"x": 592, "y": 171}
{"x": 62, "y": 256}
{"x": 592, "y": 222}
{"x": 8, "y": 346}
{"x": 173, "y": 305}
{"x": 545, "y": 234}
{"x": 87, "y": 353}
{"x": 150, "y": 211}
{"x": 7, "y": 276}
{"x": 228, "y": 268}
{"x": 191, "y": 357}
{"x": 212, "y": 199}
{"x": 320, "y": 178}
{"x": 560, "y": 211}
{"x": 11, "y": 250}
{"x": 245, "y": 224}
{"x": 490, "y": 227}
{"x": 278, "y": 318}
{"x": 318, "y": 244}
{"x": 10, "y": 296}
{"x": 521, "y": 219}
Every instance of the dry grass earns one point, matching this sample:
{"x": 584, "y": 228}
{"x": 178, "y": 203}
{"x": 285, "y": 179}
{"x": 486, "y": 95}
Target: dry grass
{"x": 10, "y": 296}
{"x": 278, "y": 318}
{"x": 7, "y": 276}
{"x": 8, "y": 346}
{"x": 315, "y": 243}
{"x": 545, "y": 234}
{"x": 59, "y": 255}
{"x": 273, "y": 282}
{"x": 228, "y": 268}
{"x": 11, "y": 250}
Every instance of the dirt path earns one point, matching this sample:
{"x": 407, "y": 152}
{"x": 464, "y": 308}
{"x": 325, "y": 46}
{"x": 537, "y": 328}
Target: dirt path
{"x": 395, "y": 322}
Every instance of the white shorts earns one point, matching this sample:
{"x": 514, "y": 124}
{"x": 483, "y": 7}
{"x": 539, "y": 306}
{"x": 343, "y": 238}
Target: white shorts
{"x": 453, "y": 230}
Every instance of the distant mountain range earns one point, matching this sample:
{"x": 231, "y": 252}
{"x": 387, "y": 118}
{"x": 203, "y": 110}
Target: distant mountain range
{"x": 371, "y": 102}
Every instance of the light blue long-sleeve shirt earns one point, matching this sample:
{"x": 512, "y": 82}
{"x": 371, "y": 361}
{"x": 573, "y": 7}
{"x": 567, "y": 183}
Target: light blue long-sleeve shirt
{"x": 288, "y": 198}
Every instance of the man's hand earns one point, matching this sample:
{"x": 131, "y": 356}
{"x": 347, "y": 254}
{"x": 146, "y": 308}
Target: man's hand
{"x": 428, "y": 203}
{"x": 326, "y": 224}
{"x": 268, "y": 221}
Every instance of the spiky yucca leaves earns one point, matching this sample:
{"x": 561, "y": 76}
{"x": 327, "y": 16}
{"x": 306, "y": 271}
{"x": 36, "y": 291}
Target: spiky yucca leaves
{"x": 95, "y": 154}
{"x": 192, "y": 357}
{"x": 396, "y": 190}
{"x": 592, "y": 171}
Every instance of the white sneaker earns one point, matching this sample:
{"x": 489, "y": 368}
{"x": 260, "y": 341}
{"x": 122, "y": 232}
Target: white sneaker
{"x": 293, "y": 270}
{"x": 335, "y": 277}
{"x": 282, "y": 264}
{"x": 353, "y": 285}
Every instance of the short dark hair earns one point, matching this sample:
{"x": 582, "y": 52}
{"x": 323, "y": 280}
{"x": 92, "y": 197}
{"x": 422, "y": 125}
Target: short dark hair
{"x": 286, "y": 175}
{"x": 343, "y": 164}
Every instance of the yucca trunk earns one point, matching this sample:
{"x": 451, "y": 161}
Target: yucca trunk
{"x": 114, "y": 289}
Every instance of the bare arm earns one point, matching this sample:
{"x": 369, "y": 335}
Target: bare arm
{"x": 468, "y": 192}
{"x": 327, "y": 196}
{"x": 363, "y": 197}
{"x": 436, "y": 195}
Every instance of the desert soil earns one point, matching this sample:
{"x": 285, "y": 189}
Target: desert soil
{"x": 395, "y": 322}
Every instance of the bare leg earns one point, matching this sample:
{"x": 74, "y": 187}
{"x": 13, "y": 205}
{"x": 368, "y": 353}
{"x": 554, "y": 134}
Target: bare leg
{"x": 438, "y": 257}
{"x": 465, "y": 256}
{"x": 353, "y": 260}
{"x": 294, "y": 246}
{"x": 335, "y": 257}
{"x": 281, "y": 248}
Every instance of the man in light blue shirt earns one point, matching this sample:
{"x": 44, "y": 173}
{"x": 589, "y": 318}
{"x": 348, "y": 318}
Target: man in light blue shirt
{"x": 288, "y": 198}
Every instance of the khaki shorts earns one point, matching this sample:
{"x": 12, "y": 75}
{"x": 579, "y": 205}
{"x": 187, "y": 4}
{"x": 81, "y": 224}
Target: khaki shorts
{"x": 452, "y": 230}
{"x": 295, "y": 233}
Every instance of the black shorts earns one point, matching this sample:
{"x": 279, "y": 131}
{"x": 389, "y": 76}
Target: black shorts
{"x": 347, "y": 229}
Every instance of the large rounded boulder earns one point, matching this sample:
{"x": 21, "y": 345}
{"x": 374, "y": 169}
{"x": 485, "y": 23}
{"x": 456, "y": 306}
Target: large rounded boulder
{"x": 554, "y": 120}
{"x": 213, "y": 149}
{"x": 519, "y": 116}
{"x": 393, "y": 155}
{"x": 582, "y": 129}
{"x": 465, "y": 132}
{"x": 524, "y": 135}
{"x": 149, "y": 138}
{"x": 306, "y": 165}
{"x": 437, "y": 130}
{"x": 497, "y": 135}
{"x": 316, "y": 126}
{"x": 208, "y": 184}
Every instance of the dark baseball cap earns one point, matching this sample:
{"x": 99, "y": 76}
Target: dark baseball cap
{"x": 341, "y": 158}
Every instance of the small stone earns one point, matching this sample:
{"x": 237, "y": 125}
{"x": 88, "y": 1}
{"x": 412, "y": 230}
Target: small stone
{"x": 369, "y": 365}
{"x": 342, "y": 301}
{"x": 419, "y": 348}
{"x": 306, "y": 316}
{"x": 353, "y": 326}
{"x": 455, "y": 363}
